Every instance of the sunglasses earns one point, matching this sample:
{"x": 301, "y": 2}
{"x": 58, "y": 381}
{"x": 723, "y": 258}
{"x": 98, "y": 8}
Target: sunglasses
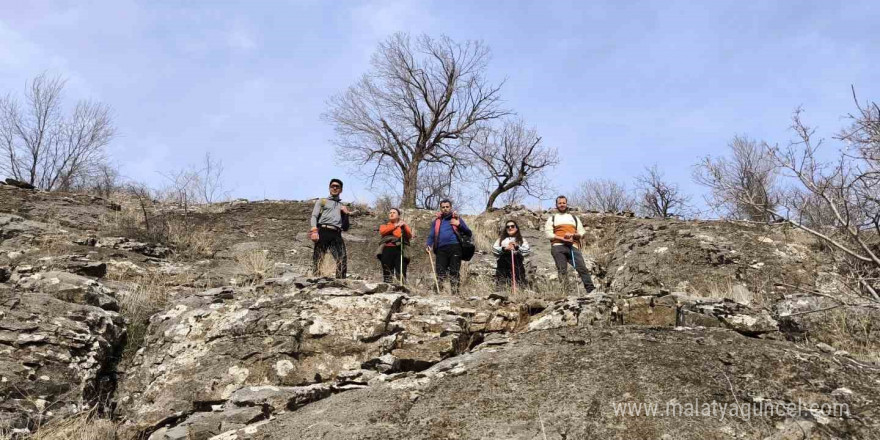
{"x": 335, "y": 186}
{"x": 511, "y": 226}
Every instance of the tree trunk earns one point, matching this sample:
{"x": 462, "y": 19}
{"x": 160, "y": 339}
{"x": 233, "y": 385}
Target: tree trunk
{"x": 489, "y": 203}
{"x": 410, "y": 184}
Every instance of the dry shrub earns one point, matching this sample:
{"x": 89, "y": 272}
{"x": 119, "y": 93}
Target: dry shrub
{"x": 256, "y": 263}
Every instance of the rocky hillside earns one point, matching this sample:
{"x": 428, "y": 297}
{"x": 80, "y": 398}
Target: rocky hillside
{"x": 209, "y": 324}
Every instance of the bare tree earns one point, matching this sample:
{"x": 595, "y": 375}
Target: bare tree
{"x": 211, "y": 185}
{"x": 603, "y": 195}
{"x": 44, "y": 148}
{"x": 743, "y": 186}
{"x": 840, "y": 202}
{"x": 415, "y": 106}
{"x": 658, "y": 197}
{"x": 511, "y": 158}
{"x": 196, "y": 184}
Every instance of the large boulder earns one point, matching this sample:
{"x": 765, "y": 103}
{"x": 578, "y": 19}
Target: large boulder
{"x": 598, "y": 383}
{"x": 57, "y": 355}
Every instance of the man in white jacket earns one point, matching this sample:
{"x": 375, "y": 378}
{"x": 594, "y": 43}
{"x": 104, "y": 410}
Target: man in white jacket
{"x": 565, "y": 232}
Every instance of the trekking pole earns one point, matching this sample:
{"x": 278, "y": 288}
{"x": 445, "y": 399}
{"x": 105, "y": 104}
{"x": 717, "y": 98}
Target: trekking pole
{"x": 400, "y": 272}
{"x": 434, "y": 271}
{"x": 513, "y": 274}
{"x": 574, "y": 265}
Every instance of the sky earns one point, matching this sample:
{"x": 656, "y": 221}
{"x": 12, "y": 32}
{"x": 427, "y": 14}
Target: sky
{"x": 614, "y": 86}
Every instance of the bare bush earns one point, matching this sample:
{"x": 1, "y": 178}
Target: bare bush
{"x": 512, "y": 158}
{"x": 195, "y": 185}
{"x": 743, "y": 186}
{"x": 658, "y": 197}
{"x": 256, "y": 263}
{"x": 414, "y": 107}
{"x": 603, "y": 195}
{"x": 45, "y": 148}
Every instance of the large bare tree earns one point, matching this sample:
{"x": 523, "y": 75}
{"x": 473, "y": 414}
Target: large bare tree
{"x": 45, "y": 148}
{"x": 743, "y": 185}
{"x": 421, "y": 98}
{"x": 658, "y": 197}
{"x": 512, "y": 158}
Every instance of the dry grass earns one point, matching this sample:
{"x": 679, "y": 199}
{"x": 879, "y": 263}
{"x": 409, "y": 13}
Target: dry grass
{"x": 256, "y": 263}
{"x": 547, "y": 291}
{"x": 726, "y": 289}
{"x": 484, "y": 236}
{"x": 853, "y": 330}
{"x": 327, "y": 266}
{"x": 191, "y": 240}
{"x": 149, "y": 294}
{"x": 84, "y": 426}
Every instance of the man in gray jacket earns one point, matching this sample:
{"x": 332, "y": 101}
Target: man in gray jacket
{"x": 329, "y": 219}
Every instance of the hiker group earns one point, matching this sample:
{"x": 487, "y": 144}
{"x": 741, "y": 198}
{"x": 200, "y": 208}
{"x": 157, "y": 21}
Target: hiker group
{"x": 449, "y": 242}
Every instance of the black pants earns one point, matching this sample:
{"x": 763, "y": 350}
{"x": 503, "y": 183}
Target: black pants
{"x": 562, "y": 255}
{"x": 504, "y": 271}
{"x": 392, "y": 266}
{"x": 448, "y": 264}
{"x": 330, "y": 240}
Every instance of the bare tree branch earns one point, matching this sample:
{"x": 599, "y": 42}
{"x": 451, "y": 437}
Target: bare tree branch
{"x": 659, "y": 198}
{"x": 512, "y": 158}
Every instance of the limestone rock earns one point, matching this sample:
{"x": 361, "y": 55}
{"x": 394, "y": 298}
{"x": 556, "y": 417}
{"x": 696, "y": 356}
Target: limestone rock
{"x": 54, "y": 350}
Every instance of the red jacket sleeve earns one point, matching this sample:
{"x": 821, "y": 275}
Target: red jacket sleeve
{"x": 386, "y": 229}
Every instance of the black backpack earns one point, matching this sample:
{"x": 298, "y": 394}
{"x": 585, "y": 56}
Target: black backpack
{"x": 468, "y": 249}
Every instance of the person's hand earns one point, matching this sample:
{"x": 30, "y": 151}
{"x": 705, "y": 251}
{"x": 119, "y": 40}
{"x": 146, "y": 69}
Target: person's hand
{"x": 511, "y": 246}
{"x": 428, "y": 249}
{"x": 454, "y": 222}
{"x": 313, "y": 235}
{"x": 402, "y": 224}
{"x": 345, "y": 210}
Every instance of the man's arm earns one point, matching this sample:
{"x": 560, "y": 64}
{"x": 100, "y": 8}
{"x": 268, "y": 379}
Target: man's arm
{"x": 316, "y": 211}
{"x": 463, "y": 226}
{"x": 581, "y": 231}
{"x": 548, "y": 228}
{"x": 430, "y": 242}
